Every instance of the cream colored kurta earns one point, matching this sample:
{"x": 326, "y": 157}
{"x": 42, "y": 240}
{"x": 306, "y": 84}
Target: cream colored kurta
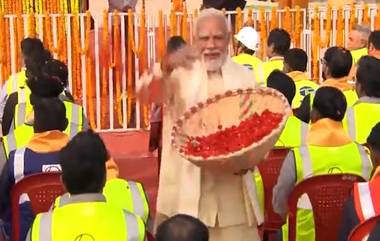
{"x": 216, "y": 199}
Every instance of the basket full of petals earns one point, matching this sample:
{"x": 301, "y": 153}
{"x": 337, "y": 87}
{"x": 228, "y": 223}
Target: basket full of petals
{"x": 233, "y": 131}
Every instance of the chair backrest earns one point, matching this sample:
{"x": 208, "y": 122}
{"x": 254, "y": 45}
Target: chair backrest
{"x": 327, "y": 194}
{"x": 270, "y": 170}
{"x": 364, "y": 229}
{"x": 42, "y": 190}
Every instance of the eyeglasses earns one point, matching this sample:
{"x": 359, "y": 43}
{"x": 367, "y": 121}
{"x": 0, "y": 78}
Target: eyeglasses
{"x": 323, "y": 61}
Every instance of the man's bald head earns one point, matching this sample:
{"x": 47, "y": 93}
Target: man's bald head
{"x": 212, "y": 38}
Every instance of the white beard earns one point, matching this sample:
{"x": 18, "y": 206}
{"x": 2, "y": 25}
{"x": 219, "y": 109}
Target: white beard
{"x": 215, "y": 64}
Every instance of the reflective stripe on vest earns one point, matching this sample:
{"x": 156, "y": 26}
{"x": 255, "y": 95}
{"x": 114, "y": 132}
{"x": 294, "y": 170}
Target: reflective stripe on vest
{"x": 351, "y": 123}
{"x": 361, "y": 118}
{"x": 45, "y": 226}
{"x": 253, "y": 196}
{"x": 365, "y": 200}
{"x": 9, "y": 142}
{"x": 307, "y": 168}
{"x": 21, "y": 111}
{"x": 18, "y": 163}
{"x": 138, "y": 202}
{"x": 74, "y": 121}
{"x": 139, "y": 205}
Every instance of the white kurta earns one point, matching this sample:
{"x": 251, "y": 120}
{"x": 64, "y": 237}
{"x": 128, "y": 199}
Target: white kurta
{"x": 218, "y": 200}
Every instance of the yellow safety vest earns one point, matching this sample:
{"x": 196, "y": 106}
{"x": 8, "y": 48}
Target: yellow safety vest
{"x": 15, "y": 82}
{"x": 74, "y": 114}
{"x": 249, "y": 61}
{"x": 294, "y": 133}
{"x": 88, "y": 220}
{"x": 21, "y": 135}
{"x": 120, "y": 193}
{"x": 17, "y": 138}
{"x": 316, "y": 160}
{"x": 257, "y": 178}
{"x": 266, "y": 68}
{"x": 357, "y": 54}
{"x": 351, "y": 98}
{"x": 303, "y": 88}
{"x": 361, "y": 118}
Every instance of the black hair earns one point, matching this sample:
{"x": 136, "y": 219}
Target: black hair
{"x": 182, "y": 228}
{"x": 56, "y": 68}
{"x": 280, "y": 39}
{"x": 296, "y": 59}
{"x": 31, "y": 46}
{"x": 174, "y": 44}
{"x": 330, "y": 103}
{"x": 339, "y": 61}
{"x": 373, "y": 140}
{"x": 83, "y": 163}
{"x": 368, "y": 75}
{"x": 282, "y": 83}
{"x": 374, "y": 39}
{"x": 34, "y": 63}
{"x": 244, "y": 49}
{"x": 45, "y": 86}
{"x": 49, "y": 115}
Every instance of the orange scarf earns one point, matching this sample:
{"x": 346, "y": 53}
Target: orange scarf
{"x": 340, "y": 83}
{"x": 298, "y": 76}
{"x": 53, "y": 141}
{"x": 327, "y": 132}
{"x": 49, "y": 141}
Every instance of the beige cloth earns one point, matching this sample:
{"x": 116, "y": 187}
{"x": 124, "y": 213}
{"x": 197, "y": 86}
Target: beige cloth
{"x": 219, "y": 200}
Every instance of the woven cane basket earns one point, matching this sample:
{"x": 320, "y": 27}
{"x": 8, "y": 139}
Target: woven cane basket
{"x": 227, "y": 110}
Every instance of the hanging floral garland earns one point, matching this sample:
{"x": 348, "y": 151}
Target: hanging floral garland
{"x": 263, "y": 32}
{"x": 116, "y": 64}
{"x": 297, "y": 28}
{"x": 340, "y": 28}
{"x": 315, "y": 44}
{"x": 326, "y": 41}
{"x": 161, "y": 37}
{"x": 185, "y": 31}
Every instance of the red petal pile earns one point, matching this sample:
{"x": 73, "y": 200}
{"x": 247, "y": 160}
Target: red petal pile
{"x": 234, "y": 138}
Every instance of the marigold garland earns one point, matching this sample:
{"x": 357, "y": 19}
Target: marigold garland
{"x": 273, "y": 19}
{"x": 117, "y": 65}
{"x": 7, "y": 48}
{"x": 62, "y": 40}
{"x": 161, "y": 37}
{"x": 75, "y": 58}
{"x": 105, "y": 65}
{"x": 185, "y": 30}
{"x": 89, "y": 72}
{"x": 31, "y": 25}
{"x": 315, "y": 44}
{"x": 366, "y": 19}
{"x": 377, "y": 18}
{"x": 20, "y": 37}
{"x": 287, "y": 23}
{"x": 340, "y": 28}
{"x": 326, "y": 41}
{"x": 352, "y": 16}
{"x": 239, "y": 20}
{"x": 173, "y": 23}
{"x": 263, "y": 31}
{"x": 297, "y": 27}
{"x": 250, "y": 21}
{"x": 3, "y": 56}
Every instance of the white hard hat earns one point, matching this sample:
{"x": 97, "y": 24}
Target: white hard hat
{"x": 248, "y": 37}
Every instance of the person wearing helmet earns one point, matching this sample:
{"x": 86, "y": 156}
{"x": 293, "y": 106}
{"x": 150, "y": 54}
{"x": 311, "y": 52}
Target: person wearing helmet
{"x": 248, "y": 41}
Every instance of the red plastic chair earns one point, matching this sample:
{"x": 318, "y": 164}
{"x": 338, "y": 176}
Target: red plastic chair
{"x": 327, "y": 194}
{"x": 364, "y": 229}
{"x": 270, "y": 170}
{"x": 42, "y": 189}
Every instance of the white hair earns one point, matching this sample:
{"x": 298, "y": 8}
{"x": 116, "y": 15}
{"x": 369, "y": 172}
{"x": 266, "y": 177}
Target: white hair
{"x": 364, "y": 30}
{"x": 211, "y": 13}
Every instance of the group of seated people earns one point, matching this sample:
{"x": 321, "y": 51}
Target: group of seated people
{"x": 44, "y": 130}
{"x": 335, "y": 126}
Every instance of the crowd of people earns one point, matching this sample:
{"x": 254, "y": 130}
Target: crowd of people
{"x": 334, "y": 128}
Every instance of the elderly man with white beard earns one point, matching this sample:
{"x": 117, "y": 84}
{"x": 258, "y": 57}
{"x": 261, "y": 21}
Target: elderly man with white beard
{"x": 221, "y": 201}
